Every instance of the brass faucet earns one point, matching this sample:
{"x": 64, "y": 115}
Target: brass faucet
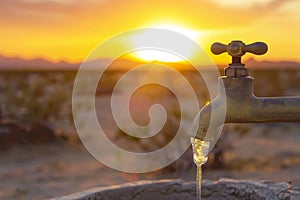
{"x": 236, "y": 101}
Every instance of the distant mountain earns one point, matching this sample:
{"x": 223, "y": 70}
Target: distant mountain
{"x": 252, "y": 63}
{"x": 14, "y": 63}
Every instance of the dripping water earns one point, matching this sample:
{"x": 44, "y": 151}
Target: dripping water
{"x": 200, "y": 152}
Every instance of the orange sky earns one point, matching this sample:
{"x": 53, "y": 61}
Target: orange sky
{"x": 70, "y": 29}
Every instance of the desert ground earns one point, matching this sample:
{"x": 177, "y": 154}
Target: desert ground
{"x": 37, "y": 166}
{"x": 52, "y": 170}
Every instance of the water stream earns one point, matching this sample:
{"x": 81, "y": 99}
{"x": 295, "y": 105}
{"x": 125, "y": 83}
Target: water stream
{"x": 200, "y": 152}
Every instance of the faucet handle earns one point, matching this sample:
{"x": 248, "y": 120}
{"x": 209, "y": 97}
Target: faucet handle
{"x": 218, "y": 48}
{"x": 237, "y": 49}
{"x": 257, "y": 48}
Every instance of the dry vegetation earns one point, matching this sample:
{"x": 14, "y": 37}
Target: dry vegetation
{"x": 42, "y": 156}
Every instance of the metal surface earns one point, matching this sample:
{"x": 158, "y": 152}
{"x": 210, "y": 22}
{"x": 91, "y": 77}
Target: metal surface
{"x": 237, "y": 49}
{"x": 242, "y": 106}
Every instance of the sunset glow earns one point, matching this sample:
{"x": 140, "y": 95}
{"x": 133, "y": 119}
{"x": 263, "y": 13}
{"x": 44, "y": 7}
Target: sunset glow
{"x": 69, "y": 30}
{"x": 162, "y": 54}
{"x": 192, "y": 34}
{"x": 157, "y": 55}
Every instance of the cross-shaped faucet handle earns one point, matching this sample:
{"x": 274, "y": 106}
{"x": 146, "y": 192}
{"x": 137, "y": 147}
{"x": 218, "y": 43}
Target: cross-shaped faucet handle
{"x": 237, "y": 49}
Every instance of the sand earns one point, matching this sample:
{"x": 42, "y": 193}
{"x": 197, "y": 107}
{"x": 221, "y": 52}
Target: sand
{"x": 266, "y": 152}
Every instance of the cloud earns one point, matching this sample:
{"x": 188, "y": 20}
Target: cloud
{"x": 241, "y": 14}
{"x": 41, "y": 12}
{"x": 205, "y": 14}
{"x": 249, "y": 3}
{"x": 238, "y": 3}
{"x": 62, "y": 1}
{"x": 43, "y": 1}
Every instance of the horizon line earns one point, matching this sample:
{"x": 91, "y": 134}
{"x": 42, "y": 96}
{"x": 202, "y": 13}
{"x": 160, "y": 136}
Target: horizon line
{"x": 251, "y": 58}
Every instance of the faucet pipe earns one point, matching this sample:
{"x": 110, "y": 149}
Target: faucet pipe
{"x": 242, "y": 106}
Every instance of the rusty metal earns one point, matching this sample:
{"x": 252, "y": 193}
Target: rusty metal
{"x": 242, "y": 106}
{"x": 237, "y": 49}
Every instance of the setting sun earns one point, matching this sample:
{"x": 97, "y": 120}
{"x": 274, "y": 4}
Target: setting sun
{"x": 163, "y": 55}
{"x": 157, "y": 55}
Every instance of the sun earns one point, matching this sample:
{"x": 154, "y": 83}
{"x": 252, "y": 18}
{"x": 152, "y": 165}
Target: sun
{"x": 161, "y": 55}
{"x": 150, "y": 55}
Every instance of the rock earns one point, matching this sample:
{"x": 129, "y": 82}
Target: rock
{"x": 12, "y": 134}
{"x": 224, "y": 189}
{"x": 236, "y": 190}
{"x": 38, "y": 133}
{"x": 8, "y": 137}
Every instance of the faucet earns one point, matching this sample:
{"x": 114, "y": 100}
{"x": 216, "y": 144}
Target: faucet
{"x": 236, "y": 101}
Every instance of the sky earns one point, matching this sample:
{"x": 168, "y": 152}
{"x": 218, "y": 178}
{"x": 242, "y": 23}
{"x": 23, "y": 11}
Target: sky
{"x": 70, "y": 29}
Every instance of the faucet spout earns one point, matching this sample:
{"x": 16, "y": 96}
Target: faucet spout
{"x": 244, "y": 107}
{"x": 237, "y": 103}
{"x": 207, "y": 121}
